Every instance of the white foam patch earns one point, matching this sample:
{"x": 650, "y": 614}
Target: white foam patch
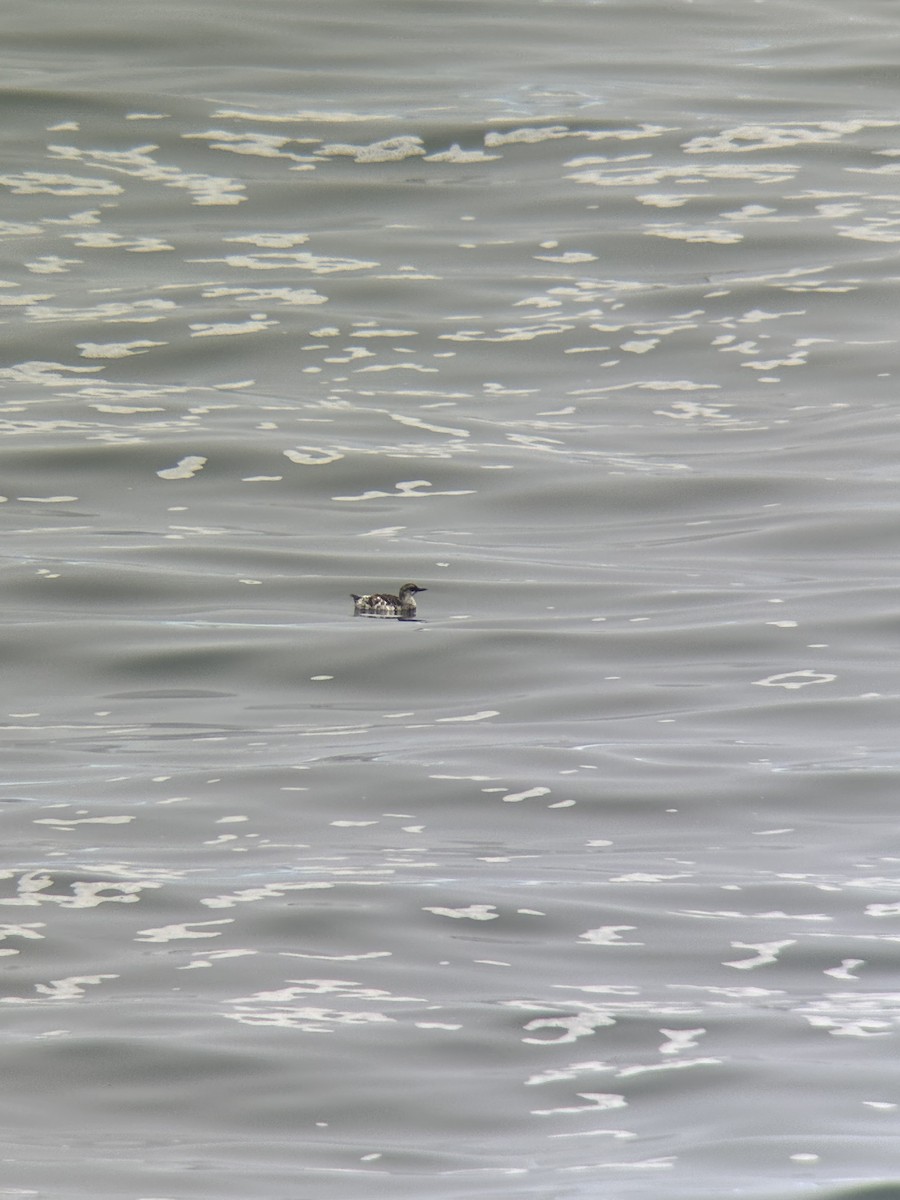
{"x": 409, "y": 489}
{"x": 263, "y": 892}
{"x": 767, "y": 953}
{"x": 71, "y": 988}
{"x": 515, "y": 797}
{"x": 317, "y": 264}
{"x": 139, "y": 163}
{"x": 457, "y": 155}
{"x": 34, "y": 183}
{"x": 185, "y": 468}
{"x": 132, "y": 312}
{"x": 388, "y": 150}
{"x": 418, "y": 423}
{"x": 608, "y": 935}
{"x": 61, "y": 823}
{"x": 257, "y": 145}
{"x": 17, "y": 229}
{"x": 569, "y": 258}
{"x": 667, "y": 199}
{"x": 743, "y": 139}
{"x": 294, "y": 297}
{"x": 380, "y": 368}
{"x": 47, "y": 264}
{"x": 104, "y": 240}
{"x": 474, "y": 912}
{"x": 28, "y": 930}
{"x": 174, "y": 933}
{"x": 485, "y": 715}
{"x": 47, "y": 499}
{"x": 116, "y": 349}
{"x": 679, "y": 233}
{"x": 233, "y": 328}
{"x": 601, "y": 172}
{"x": 312, "y": 456}
{"x": 795, "y": 679}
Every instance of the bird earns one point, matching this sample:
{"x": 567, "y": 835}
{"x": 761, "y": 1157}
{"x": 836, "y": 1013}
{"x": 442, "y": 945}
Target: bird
{"x": 384, "y": 604}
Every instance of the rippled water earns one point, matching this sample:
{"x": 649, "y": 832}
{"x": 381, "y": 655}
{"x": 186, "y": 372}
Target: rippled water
{"x": 582, "y": 317}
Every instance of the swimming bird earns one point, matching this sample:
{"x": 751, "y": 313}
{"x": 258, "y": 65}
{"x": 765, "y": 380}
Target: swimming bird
{"x": 384, "y": 604}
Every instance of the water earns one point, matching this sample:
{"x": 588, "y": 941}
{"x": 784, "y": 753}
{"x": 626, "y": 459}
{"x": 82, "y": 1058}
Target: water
{"x": 580, "y": 316}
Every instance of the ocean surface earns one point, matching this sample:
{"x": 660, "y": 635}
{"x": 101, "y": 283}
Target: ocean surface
{"x": 583, "y": 317}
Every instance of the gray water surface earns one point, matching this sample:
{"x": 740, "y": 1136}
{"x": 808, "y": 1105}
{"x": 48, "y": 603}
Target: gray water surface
{"x": 581, "y": 316}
